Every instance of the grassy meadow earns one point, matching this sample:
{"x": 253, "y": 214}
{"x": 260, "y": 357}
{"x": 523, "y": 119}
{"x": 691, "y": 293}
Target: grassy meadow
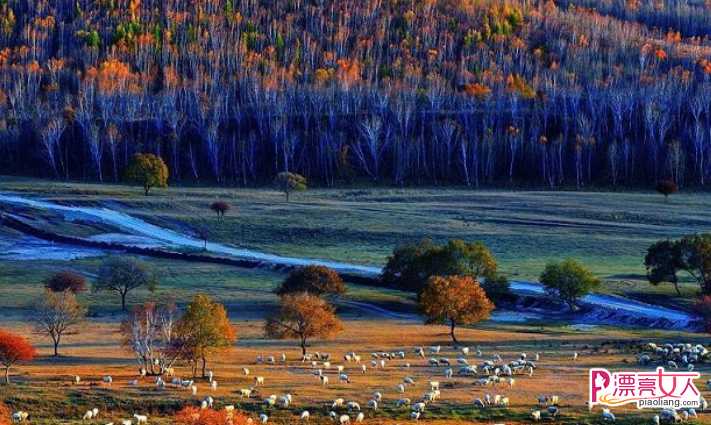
{"x": 609, "y": 232}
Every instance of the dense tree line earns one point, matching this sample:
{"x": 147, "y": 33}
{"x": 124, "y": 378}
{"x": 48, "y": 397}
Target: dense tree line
{"x": 399, "y": 92}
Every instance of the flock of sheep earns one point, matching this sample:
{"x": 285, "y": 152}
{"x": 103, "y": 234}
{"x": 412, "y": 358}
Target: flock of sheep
{"x": 490, "y": 371}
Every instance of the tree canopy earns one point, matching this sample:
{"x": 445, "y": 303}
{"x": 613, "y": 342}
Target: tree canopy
{"x": 124, "y": 274}
{"x": 290, "y": 182}
{"x": 411, "y": 265}
{"x": 303, "y": 316}
{"x": 148, "y": 170}
{"x": 690, "y": 254}
{"x": 58, "y": 314}
{"x": 568, "y": 281}
{"x": 203, "y": 330}
{"x": 316, "y": 280}
{"x": 454, "y": 300}
{"x": 66, "y": 281}
{"x": 14, "y": 349}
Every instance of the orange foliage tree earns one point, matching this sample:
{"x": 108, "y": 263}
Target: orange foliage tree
{"x": 5, "y": 414}
{"x": 194, "y": 416}
{"x": 203, "y": 330}
{"x": 303, "y": 316}
{"x": 14, "y": 349}
{"x": 457, "y": 300}
{"x": 317, "y": 280}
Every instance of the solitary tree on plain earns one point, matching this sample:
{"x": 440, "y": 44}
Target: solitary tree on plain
{"x": 57, "y": 314}
{"x": 303, "y": 316}
{"x": 316, "y": 280}
{"x": 220, "y": 208}
{"x": 14, "y": 349}
{"x": 568, "y": 281}
{"x": 66, "y": 281}
{"x": 122, "y": 275}
{"x": 290, "y": 182}
{"x": 663, "y": 261}
{"x": 666, "y": 188}
{"x": 454, "y": 300}
{"x": 203, "y": 330}
{"x": 148, "y": 170}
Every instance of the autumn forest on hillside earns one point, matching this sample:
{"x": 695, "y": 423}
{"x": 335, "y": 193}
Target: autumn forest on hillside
{"x": 574, "y": 93}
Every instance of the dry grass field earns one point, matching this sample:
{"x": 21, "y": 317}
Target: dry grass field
{"x": 45, "y": 387}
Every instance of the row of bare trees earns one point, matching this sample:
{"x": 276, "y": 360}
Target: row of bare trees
{"x": 438, "y": 92}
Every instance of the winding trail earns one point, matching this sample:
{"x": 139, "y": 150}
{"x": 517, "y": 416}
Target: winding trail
{"x": 608, "y": 309}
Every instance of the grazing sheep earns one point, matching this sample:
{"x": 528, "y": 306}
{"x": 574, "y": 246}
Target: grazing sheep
{"x": 465, "y": 351}
{"x": 360, "y": 417}
{"x": 434, "y": 385}
{"x": 553, "y": 411}
{"x": 107, "y": 380}
{"x": 363, "y": 368}
{"x": 258, "y": 380}
{"x": 141, "y": 419}
{"x": 435, "y": 349}
{"x": 203, "y": 405}
{"x": 409, "y": 380}
{"x": 655, "y": 420}
{"x": 245, "y": 371}
{"x": 126, "y": 422}
{"x": 536, "y": 415}
{"x": 373, "y": 404}
{"x": 305, "y": 415}
{"x": 263, "y": 418}
{"x": 607, "y": 416}
{"x": 448, "y": 373}
{"x": 352, "y": 405}
{"x": 20, "y": 416}
{"x": 400, "y": 388}
{"x": 193, "y": 389}
{"x": 77, "y": 380}
{"x": 575, "y": 356}
{"x": 324, "y": 380}
{"x": 210, "y": 401}
{"x": 415, "y": 416}
{"x": 95, "y": 412}
{"x": 88, "y": 415}
{"x": 419, "y": 407}
{"x": 337, "y": 403}
{"x": 669, "y": 416}
{"x": 344, "y": 419}
{"x": 344, "y": 378}
{"x": 403, "y": 402}
{"x": 213, "y": 385}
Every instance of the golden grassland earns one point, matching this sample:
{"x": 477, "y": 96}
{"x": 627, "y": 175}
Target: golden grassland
{"x": 45, "y": 388}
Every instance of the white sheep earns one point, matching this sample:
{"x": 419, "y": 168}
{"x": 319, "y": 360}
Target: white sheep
{"x": 415, "y": 416}
{"x": 141, "y": 419}
{"x": 400, "y": 388}
{"x": 352, "y": 405}
{"x": 213, "y": 385}
{"x": 344, "y": 378}
{"x": 536, "y": 415}
{"x": 418, "y": 407}
{"x": 245, "y": 371}
{"x": 126, "y": 422}
{"x": 245, "y": 392}
{"x": 107, "y": 380}
{"x": 88, "y": 415}
{"x": 363, "y": 368}
{"x": 344, "y": 419}
{"x": 77, "y": 379}
{"x": 20, "y": 416}
{"x": 337, "y": 403}
{"x": 305, "y": 415}
{"x": 402, "y": 402}
{"x": 607, "y": 416}
{"x": 258, "y": 380}
{"x": 373, "y": 404}
{"x": 194, "y": 389}
{"x": 360, "y": 417}
{"x": 263, "y": 418}
{"x": 324, "y": 380}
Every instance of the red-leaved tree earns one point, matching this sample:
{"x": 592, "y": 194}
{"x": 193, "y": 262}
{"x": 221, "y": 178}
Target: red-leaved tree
{"x": 5, "y": 414}
{"x": 195, "y": 416}
{"x": 14, "y": 349}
